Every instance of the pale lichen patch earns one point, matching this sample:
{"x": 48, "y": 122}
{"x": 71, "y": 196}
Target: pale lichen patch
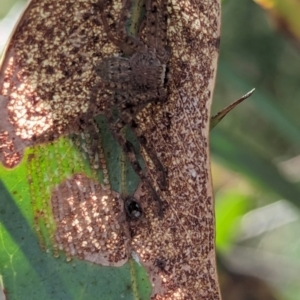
{"x": 87, "y": 222}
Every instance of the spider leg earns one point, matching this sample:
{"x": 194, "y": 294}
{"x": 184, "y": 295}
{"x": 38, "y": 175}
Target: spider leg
{"x": 151, "y": 22}
{"x": 124, "y": 14}
{"x": 128, "y": 116}
{"x": 115, "y": 128}
{"x": 127, "y": 111}
{"x": 156, "y": 24}
{"x": 128, "y": 44}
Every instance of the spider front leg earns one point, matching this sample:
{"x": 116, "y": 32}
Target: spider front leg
{"x": 126, "y": 43}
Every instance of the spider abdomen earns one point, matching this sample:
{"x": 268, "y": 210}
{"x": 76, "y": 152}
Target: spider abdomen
{"x": 114, "y": 69}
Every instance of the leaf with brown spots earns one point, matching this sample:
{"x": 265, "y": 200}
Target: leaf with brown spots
{"x": 78, "y": 177}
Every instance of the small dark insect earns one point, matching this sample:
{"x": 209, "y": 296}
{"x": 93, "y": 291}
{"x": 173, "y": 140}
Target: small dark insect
{"x": 132, "y": 208}
{"x": 136, "y": 80}
{"x": 160, "y": 263}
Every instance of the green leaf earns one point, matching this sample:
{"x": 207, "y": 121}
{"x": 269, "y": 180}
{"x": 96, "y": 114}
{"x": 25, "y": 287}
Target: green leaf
{"x": 23, "y": 263}
{"x": 230, "y": 206}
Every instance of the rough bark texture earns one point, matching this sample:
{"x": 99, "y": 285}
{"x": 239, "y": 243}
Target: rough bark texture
{"x": 45, "y": 84}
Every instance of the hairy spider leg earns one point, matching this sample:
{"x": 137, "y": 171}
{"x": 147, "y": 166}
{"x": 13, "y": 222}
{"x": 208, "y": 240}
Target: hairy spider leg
{"x": 137, "y": 103}
{"x": 151, "y": 21}
{"x": 157, "y": 20}
{"x": 128, "y": 116}
{"x": 123, "y": 17}
{"x": 128, "y": 44}
{"x": 127, "y": 147}
{"x": 128, "y": 109}
{"x": 155, "y": 39}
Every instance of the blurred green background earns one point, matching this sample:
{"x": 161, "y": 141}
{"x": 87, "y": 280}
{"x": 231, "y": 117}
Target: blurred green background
{"x": 255, "y": 149}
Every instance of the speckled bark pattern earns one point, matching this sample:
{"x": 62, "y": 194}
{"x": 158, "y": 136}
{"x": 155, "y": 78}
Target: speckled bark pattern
{"x": 179, "y": 249}
{"x": 45, "y": 91}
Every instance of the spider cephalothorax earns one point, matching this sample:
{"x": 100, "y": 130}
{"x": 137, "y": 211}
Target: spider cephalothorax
{"x": 134, "y": 80}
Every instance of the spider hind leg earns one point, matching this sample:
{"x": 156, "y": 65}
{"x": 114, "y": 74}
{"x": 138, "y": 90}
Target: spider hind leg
{"x": 128, "y": 116}
{"x": 129, "y": 150}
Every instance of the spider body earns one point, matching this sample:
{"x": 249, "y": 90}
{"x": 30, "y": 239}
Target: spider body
{"x": 134, "y": 80}
{"x": 114, "y": 69}
{"x": 142, "y": 72}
